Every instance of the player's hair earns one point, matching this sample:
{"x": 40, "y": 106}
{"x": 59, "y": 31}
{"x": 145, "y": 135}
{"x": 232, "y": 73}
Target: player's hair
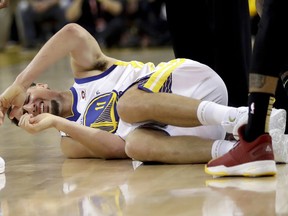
{"x": 14, "y": 120}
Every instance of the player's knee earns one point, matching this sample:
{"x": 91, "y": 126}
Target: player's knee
{"x": 124, "y": 108}
{"x": 136, "y": 147}
{"x": 131, "y": 147}
{"x": 130, "y": 108}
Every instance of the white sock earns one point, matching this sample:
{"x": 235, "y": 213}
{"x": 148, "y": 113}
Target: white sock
{"x": 221, "y": 147}
{"x": 211, "y": 113}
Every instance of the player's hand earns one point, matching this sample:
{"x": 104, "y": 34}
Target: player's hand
{"x": 36, "y": 124}
{"x": 14, "y": 95}
{"x": 3, "y": 3}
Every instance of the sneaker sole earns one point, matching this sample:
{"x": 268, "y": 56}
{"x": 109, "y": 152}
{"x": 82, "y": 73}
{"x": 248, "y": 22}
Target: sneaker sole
{"x": 252, "y": 169}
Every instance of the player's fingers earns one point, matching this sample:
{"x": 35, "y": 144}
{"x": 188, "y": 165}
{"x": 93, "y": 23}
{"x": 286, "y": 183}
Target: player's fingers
{"x": 26, "y": 124}
{"x": 33, "y": 120}
{"x": 23, "y": 120}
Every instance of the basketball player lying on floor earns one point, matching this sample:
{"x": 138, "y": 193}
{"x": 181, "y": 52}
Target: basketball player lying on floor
{"x": 173, "y": 112}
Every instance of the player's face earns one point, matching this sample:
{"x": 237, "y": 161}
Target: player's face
{"x": 39, "y": 99}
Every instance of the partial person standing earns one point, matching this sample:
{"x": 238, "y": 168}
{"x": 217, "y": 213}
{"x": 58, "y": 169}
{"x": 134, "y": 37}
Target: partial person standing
{"x": 253, "y": 155}
{"x": 216, "y": 33}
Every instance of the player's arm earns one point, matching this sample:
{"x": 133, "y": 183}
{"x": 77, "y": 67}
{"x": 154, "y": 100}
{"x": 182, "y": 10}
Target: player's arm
{"x": 82, "y": 141}
{"x": 100, "y": 143}
{"x": 71, "y": 40}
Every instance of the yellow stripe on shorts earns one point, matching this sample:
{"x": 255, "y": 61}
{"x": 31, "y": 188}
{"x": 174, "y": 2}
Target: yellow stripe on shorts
{"x": 159, "y": 77}
{"x": 135, "y": 64}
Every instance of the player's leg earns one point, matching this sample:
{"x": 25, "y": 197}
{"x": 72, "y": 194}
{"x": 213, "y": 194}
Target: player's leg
{"x": 139, "y": 106}
{"x": 172, "y": 109}
{"x": 150, "y": 145}
{"x": 73, "y": 149}
{"x": 172, "y": 95}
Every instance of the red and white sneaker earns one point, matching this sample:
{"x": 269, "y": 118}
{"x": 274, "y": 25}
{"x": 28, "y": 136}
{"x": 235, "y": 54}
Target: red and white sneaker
{"x": 245, "y": 159}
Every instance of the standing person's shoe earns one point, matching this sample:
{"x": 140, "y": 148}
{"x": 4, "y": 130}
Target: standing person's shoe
{"x": 245, "y": 159}
{"x": 2, "y": 165}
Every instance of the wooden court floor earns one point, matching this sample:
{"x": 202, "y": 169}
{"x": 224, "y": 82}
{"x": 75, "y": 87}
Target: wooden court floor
{"x": 39, "y": 180}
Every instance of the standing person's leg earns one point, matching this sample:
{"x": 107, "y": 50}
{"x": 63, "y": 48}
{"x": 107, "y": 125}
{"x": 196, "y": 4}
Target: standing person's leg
{"x": 281, "y": 93}
{"x": 195, "y": 16}
{"x": 253, "y": 156}
{"x": 232, "y": 47}
{"x": 219, "y": 37}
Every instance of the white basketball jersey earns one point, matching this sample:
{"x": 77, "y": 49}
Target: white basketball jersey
{"x": 95, "y": 98}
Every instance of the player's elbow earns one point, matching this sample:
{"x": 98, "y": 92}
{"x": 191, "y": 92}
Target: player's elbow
{"x": 72, "y": 32}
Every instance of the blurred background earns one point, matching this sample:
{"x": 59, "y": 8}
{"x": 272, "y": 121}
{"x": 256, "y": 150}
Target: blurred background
{"x": 114, "y": 23}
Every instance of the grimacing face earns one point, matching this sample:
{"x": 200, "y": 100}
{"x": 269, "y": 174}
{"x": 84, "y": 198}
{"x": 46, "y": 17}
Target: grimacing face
{"x": 39, "y": 99}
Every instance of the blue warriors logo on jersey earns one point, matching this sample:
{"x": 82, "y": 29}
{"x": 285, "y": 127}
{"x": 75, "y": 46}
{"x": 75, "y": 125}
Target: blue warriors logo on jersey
{"x": 101, "y": 112}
